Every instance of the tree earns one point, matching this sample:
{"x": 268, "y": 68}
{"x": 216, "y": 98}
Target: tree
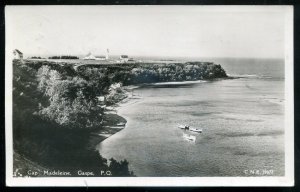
{"x": 71, "y": 103}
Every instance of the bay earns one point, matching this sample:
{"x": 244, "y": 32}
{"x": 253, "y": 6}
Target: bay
{"x": 242, "y": 121}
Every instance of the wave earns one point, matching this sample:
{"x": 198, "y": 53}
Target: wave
{"x": 241, "y": 117}
{"x": 271, "y": 133}
{"x": 265, "y": 77}
{"x": 254, "y": 76}
{"x": 243, "y": 75}
{"x": 275, "y": 100}
{"x": 179, "y": 82}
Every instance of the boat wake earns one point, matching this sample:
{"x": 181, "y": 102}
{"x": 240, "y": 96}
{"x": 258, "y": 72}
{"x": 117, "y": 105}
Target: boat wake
{"x": 191, "y": 138}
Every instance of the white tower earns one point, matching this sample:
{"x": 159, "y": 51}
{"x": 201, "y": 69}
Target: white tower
{"x": 107, "y": 54}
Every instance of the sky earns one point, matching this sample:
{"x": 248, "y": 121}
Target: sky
{"x": 170, "y": 31}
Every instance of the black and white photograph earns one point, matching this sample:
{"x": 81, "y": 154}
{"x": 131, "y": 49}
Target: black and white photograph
{"x": 149, "y": 95}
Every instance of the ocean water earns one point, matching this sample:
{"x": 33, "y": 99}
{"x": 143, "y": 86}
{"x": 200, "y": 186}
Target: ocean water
{"x": 242, "y": 121}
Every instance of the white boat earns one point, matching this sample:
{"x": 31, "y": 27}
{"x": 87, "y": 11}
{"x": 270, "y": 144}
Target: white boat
{"x": 190, "y": 128}
{"x": 189, "y": 137}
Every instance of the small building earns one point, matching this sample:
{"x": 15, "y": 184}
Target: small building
{"x": 90, "y": 56}
{"x": 124, "y": 58}
{"x": 17, "y": 54}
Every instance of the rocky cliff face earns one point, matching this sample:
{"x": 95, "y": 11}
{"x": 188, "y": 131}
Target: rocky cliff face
{"x": 129, "y": 74}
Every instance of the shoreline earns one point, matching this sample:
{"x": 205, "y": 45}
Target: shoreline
{"x": 114, "y": 121}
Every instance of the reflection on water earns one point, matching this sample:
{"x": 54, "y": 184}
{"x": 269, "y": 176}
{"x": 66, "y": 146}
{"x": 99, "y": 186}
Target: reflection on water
{"x": 242, "y": 122}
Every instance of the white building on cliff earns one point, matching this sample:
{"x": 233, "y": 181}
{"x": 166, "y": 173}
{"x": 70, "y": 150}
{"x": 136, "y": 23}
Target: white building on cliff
{"x": 17, "y": 54}
{"x": 89, "y": 56}
{"x": 124, "y": 58}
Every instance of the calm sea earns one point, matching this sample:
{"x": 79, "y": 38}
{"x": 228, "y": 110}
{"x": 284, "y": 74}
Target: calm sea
{"x": 242, "y": 121}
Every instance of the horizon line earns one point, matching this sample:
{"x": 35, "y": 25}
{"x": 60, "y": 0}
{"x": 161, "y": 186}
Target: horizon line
{"x": 160, "y": 56}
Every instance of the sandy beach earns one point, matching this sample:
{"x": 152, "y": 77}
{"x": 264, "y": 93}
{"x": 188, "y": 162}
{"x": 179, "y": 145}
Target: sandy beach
{"x": 114, "y": 120}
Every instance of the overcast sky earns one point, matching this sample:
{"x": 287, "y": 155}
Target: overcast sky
{"x": 187, "y": 31}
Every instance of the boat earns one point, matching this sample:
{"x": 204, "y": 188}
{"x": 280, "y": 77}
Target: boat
{"x": 189, "y": 137}
{"x": 195, "y": 130}
{"x": 186, "y": 127}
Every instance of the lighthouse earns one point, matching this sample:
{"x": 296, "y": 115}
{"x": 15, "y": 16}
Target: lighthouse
{"x": 107, "y": 54}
